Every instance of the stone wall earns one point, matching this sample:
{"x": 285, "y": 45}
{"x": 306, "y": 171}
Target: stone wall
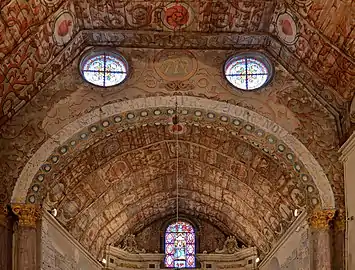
{"x": 292, "y": 254}
{"x": 151, "y": 238}
{"x": 60, "y": 251}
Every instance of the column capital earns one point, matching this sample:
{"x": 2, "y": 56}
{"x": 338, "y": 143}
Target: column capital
{"x": 320, "y": 219}
{"x": 28, "y": 214}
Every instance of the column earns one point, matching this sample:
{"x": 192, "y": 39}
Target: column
{"x": 5, "y": 238}
{"x": 348, "y": 159}
{"x": 321, "y": 239}
{"x": 27, "y": 244}
{"x": 339, "y": 240}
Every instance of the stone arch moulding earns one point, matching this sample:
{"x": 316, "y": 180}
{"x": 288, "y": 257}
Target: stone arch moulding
{"x": 300, "y": 151}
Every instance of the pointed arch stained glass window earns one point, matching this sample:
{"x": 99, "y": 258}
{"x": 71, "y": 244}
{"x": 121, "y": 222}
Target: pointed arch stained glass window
{"x": 180, "y": 244}
{"x": 104, "y": 68}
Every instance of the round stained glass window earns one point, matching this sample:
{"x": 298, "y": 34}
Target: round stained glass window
{"x": 248, "y": 71}
{"x": 104, "y": 68}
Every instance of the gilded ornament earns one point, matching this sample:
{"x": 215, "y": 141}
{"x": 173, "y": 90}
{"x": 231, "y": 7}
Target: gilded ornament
{"x": 28, "y": 214}
{"x": 320, "y": 219}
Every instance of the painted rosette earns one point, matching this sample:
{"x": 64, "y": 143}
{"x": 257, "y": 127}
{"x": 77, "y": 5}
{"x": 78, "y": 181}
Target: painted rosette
{"x": 177, "y": 16}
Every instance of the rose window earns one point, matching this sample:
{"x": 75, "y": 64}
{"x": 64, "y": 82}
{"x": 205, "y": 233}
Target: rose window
{"x": 248, "y": 71}
{"x": 104, "y": 68}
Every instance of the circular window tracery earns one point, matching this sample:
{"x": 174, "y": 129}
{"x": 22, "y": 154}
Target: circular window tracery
{"x": 248, "y": 71}
{"x": 104, "y": 68}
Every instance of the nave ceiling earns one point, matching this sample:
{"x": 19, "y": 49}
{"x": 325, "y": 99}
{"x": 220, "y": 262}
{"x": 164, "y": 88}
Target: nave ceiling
{"x": 110, "y": 182}
{"x": 40, "y": 38}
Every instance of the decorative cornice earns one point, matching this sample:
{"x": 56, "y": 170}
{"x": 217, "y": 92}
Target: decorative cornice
{"x": 185, "y": 40}
{"x": 320, "y": 219}
{"x": 28, "y": 214}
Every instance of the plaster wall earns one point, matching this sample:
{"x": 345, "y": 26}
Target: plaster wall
{"x": 292, "y": 254}
{"x": 60, "y": 251}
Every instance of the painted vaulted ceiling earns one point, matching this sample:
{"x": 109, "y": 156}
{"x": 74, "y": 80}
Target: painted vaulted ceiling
{"x": 105, "y": 157}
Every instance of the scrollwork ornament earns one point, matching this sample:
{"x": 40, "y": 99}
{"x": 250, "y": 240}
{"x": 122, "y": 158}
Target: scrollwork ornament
{"x": 320, "y": 219}
{"x": 352, "y": 117}
{"x": 27, "y": 214}
{"x": 130, "y": 245}
{"x": 230, "y": 246}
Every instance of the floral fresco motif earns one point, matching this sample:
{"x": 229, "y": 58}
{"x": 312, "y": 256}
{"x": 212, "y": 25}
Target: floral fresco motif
{"x": 286, "y": 28}
{"x": 177, "y": 16}
{"x": 63, "y": 28}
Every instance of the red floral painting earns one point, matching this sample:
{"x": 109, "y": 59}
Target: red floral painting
{"x": 177, "y": 16}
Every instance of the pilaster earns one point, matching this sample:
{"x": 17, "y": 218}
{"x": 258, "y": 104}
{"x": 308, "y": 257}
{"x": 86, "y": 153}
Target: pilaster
{"x": 321, "y": 240}
{"x": 5, "y": 238}
{"x": 27, "y": 244}
{"x": 338, "y": 234}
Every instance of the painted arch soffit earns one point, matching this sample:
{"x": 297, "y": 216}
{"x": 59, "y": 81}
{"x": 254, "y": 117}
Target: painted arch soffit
{"x": 42, "y": 161}
{"x": 96, "y": 199}
{"x": 161, "y": 204}
{"x": 122, "y": 180}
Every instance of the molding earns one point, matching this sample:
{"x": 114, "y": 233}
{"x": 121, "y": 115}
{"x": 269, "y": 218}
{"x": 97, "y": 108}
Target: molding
{"x": 347, "y": 148}
{"x": 171, "y": 40}
{"x": 133, "y": 257}
{"x": 247, "y": 253}
{"x": 239, "y": 255}
{"x": 55, "y": 223}
{"x": 300, "y": 221}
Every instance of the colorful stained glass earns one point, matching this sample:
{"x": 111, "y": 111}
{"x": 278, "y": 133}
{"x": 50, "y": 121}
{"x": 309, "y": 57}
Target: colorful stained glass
{"x": 104, "y": 69}
{"x": 94, "y": 77}
{"x": 96, "y": 63}
{"x": 236, "y": 67}
{"x": 246, "y": 73}
{"x": 180, "y": 245}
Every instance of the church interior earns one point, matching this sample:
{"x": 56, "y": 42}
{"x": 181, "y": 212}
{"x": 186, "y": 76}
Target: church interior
{"x": 196, "y": 134}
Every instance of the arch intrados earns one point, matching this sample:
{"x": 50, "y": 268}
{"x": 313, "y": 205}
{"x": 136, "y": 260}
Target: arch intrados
{"x": 227, "y": 220}
{"x": 124, "y": 156}
{"x": 158, "y": 197}
{"x": 168, "y": 179}
{"x": 116, "y": 237}
{"x": 312, "y": 166}
{"x": 93, "y": 208}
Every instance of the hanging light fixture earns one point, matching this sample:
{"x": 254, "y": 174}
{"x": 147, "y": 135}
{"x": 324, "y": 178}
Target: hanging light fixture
{"x": 176, "y": 122}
